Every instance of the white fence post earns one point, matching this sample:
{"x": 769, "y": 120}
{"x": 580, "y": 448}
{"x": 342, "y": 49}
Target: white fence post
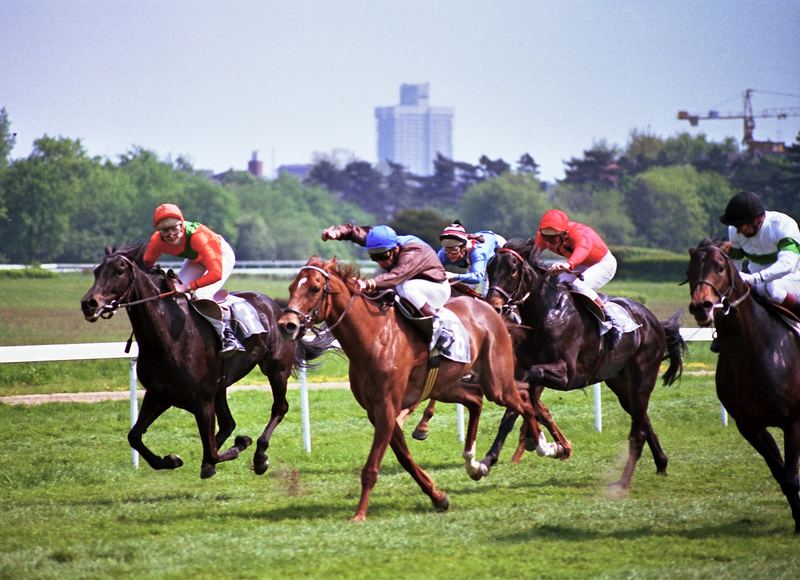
{"x": 460, "y": 421}
{"x": 304, "y": 411}
{"x": 598, "y": 409}
{"x": 134, "y": 408}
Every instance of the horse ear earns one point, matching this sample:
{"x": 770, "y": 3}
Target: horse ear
{"x": 109, "y": 250}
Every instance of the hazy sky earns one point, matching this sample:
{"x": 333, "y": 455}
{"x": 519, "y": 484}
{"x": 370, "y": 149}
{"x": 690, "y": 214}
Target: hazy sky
{"x": 215, "y": 81}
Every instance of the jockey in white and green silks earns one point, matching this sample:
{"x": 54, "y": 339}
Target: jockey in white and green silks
{"x": 765, "y": 247}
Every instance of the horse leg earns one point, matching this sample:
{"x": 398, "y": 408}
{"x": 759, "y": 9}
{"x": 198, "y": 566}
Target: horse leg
{"x": 383, "y": 419}
{"x": 420, "y": 432}
{"x": 475, "y": 469}
{"x": 785, "y": 473}
{"x": 791, "y": 483}
{"x": 398, "y": 442}
{"x": 659, "y": 457}
{"x": 153, "y": 407}
{"x": 280, "y": 406}
{"x": 206, "y": 419}
{"x": 225, "y": 421}
{"x": 544, "y": 417}
{"x": 505, "y": 427}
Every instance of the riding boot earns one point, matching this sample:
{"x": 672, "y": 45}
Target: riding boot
{"x": 230, "y": 344}
{"x": 441, "y": 338}
{"x": 792, "y": 304}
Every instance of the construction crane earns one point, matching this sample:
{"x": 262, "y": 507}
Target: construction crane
{"x": 749, "y": 122}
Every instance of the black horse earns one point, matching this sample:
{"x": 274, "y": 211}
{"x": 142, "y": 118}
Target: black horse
{"x": 758, "y": 371}
{"x": 565, "y": 351}
{"x": 178, "y": 363}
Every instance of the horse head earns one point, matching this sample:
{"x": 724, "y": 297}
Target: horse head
{"x": 713, "y": 280}
{"x": 512, "y": 273}
{"x": 115, "y": 282}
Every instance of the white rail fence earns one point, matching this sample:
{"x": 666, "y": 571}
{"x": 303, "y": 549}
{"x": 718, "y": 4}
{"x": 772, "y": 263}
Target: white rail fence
{"x": 116, "y": 350}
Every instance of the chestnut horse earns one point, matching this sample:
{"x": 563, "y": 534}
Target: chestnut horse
{"x": 564, "y": 350}
{"x": 178, "y": 363}
{"x": 758, "y": 371}
{"x": 388, "y": 365}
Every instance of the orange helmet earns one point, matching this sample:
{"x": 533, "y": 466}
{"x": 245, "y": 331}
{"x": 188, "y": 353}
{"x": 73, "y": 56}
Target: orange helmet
{"x": 554, "y": 220}
{"x": 167, "y": 211}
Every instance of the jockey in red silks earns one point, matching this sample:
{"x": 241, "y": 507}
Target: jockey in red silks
{"x": 208, "y": 262}
{"x": 585, "y": 251}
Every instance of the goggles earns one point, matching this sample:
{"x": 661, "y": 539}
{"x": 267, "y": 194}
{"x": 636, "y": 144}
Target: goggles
{"x": 381, "y": 257}
{"x": 170, "y": 231}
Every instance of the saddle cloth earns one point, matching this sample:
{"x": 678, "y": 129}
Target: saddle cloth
{"x": 460, "y": 349}
{"x": 244, "y": 316}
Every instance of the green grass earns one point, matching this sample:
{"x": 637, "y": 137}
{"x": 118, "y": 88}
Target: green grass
{"x": 73, "y": 507}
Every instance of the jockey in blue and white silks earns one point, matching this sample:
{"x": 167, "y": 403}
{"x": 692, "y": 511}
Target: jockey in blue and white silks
{"x": 469, "y": 251}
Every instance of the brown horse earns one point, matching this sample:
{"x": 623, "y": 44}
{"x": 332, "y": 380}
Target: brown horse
{"x": 178, "y": 363}
{"x": 388, "y": 365}
{"x": 758, "y": 371}
{"x": 565, "y": 350}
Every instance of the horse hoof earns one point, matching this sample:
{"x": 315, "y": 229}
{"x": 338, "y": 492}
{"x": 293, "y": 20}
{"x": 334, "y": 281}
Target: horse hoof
{"x": 242, "y": 442}
{"x": 531, "y": 444}
{"x": 172, "y": 461}
{"x": 207, "y": 471}
{"x": 419, "y": 435}
{"x": 443, "y": 504}
{"x": 260, "y": 467}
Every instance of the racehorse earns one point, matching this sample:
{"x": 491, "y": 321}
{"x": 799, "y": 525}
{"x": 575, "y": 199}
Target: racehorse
{"x": 178, "y": 363}
{"x": 565, "y": 350}
{"x": 758, "y": 371}
{"x": 543, "y": 415}
{"x": 389, "y": 365}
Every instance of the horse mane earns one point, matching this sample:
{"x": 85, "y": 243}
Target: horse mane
{"x": 134, "y": 251}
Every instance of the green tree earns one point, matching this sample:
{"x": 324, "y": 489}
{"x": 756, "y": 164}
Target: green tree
{"x": 665, "y": 205}
{"x": 510, "y": 205}
{"x": 7, "y": 139}
{"x": 40, "y": 195}
{"x": 423, "y": 223}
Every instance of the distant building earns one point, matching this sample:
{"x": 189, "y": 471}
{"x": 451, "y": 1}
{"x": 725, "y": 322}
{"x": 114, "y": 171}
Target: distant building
{"x": 413, "y": 132}
{"x": 299, "y": 171}
{"x": 254, "y": 166}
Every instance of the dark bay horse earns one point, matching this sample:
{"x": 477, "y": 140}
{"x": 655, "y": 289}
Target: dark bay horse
{"x": 178, "y": 363}
{"x": 388, "y": 366}
{"x": 758, "y": 371}
{"x": 564, "y": 350}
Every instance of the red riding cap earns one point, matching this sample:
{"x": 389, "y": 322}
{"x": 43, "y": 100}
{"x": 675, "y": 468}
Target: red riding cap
{"x": 166, "y": 210}
{"x": 554, "y": 219}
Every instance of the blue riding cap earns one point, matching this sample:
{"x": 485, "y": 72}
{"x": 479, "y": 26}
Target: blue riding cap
{"x": 381, "y": 239}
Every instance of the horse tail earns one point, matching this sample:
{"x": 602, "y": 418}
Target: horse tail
{"x": 307, "y": 351}
{"x": 676, "y": 348}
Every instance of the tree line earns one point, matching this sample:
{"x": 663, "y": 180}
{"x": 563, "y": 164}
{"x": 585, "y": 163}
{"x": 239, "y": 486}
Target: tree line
{"x": 58, "y": 204}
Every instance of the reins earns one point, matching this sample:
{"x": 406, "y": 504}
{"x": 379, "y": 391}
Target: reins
{"x": 110, "y": 308}
{"x": 308, "y": 320}
{"x": 511, "y": 303}
{"x": 725, "y": 304}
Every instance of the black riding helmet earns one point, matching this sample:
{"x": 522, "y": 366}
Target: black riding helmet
{"x": 743, "y": 208}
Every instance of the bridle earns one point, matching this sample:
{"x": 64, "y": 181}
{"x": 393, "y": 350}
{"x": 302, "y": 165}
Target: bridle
{"x": 108, "y": 310}
{"x": 725, "y": 304}
{"x": 512, "y": 299}
{"x": 323, "y": 308}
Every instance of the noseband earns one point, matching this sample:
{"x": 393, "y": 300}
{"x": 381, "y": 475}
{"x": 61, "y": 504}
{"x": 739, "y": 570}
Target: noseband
{"x": 316, "y": 315}
{"x": 725, "y": 303}
{"x": 512, "y": 299}
{"x": 111, "y": 308}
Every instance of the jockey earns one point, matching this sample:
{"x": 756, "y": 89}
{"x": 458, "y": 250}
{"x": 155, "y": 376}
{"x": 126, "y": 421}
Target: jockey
{"x": 585, "y": 252}
{"x": 470, "y": 251}
{"x": 208, "y": 261}
{"x": 408, "y": 266}
{"x": 770, "y": 243}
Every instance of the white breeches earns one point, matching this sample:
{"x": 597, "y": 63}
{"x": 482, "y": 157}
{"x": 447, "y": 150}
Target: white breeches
{"x": 596, "y": 276}
{"x": 192, "y": 271}
{"x": 776, "y": 290}
{"x": 421, "y": 292}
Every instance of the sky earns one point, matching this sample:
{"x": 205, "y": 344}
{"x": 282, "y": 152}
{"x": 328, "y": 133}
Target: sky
{"x": 214, "y": 82}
